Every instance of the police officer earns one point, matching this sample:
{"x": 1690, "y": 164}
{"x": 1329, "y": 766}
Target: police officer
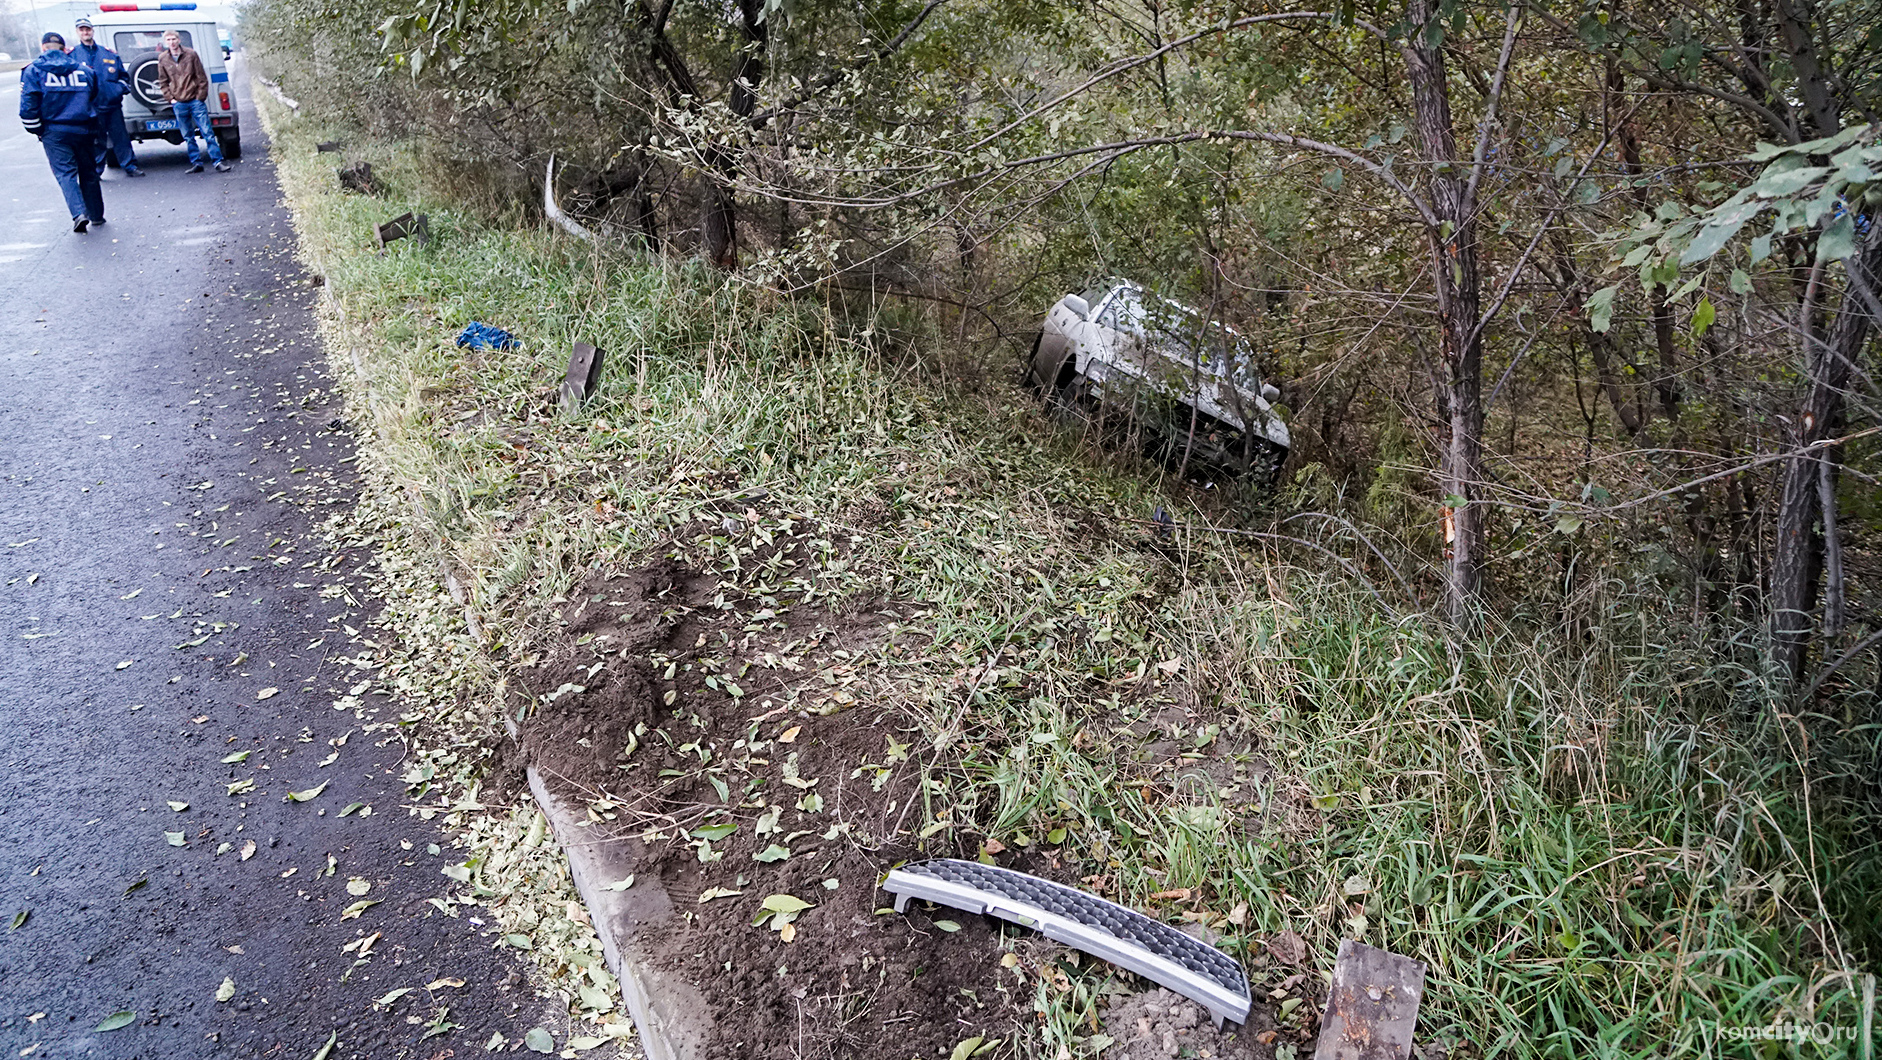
{"x": 113, "y": 81}
{"x": 59, "y": 104}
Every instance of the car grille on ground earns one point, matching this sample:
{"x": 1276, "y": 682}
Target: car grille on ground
{"x": 1124, "y": 937}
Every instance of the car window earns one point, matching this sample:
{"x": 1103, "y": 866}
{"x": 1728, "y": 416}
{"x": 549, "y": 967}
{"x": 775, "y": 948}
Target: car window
{"x": 137, "y": 40}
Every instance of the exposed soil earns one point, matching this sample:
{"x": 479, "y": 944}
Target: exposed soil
{"x": 1160, "y": 1025}
{"x": 719, "y": 731}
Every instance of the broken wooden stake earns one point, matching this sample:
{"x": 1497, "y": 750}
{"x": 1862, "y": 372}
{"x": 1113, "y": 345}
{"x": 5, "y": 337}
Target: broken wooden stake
{"x": 584, "y": 375}
{"x": 1372, "y": 1006}
{"x": 403, "y": 225}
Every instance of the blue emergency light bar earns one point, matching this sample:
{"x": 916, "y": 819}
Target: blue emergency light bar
{"x": 146, "y": 7}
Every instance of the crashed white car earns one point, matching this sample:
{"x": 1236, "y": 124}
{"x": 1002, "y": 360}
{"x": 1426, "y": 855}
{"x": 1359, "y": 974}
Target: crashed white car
{"x": 1189, "y": 386}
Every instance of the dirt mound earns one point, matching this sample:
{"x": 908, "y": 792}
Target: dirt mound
{"x": 1160, "y": 1025}
{"x": 731, "y": 742}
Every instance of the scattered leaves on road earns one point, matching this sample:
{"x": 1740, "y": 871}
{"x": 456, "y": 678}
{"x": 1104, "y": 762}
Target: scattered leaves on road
{"x": 307, "y": 795}
{"x": 268, "y": 693}
{"x": 116, "y": 1020}
{"x": 226, "y": 990}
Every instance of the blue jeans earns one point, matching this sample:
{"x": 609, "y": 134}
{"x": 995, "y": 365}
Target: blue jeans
{"x": 192, "y": 117}
{"x": 116, "y": 138}
{"x": 72, "y": 150}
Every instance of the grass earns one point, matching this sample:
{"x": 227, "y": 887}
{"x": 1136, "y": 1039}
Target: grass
{"x": 1610, "y": 846}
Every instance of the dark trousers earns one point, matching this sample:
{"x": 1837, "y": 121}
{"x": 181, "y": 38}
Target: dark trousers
{"x": 115, "y": 138}
{"x": 72, "y": 150}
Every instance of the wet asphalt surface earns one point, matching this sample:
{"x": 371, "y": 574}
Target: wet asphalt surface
{"x": 168, "y": 446}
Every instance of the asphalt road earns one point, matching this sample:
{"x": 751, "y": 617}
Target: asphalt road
{"x": 167, "y": 447}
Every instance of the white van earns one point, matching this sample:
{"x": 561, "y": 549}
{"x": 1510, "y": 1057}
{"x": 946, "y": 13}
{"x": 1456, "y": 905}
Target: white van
{"x": 136, "y": 32}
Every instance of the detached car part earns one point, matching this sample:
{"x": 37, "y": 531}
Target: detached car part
{"x": 1118, "y": 352}
{"x": 1372, "y": 1006}
{"x": 1124, "y": 937}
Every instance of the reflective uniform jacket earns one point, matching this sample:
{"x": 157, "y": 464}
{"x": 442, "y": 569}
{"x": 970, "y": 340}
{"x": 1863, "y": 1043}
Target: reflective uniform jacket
{"x": 56, "y": 89}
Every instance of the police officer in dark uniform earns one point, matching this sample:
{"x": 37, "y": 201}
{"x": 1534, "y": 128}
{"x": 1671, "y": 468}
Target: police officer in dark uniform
{"x": 113, "y": 82}
{"x": 59, "y": 104}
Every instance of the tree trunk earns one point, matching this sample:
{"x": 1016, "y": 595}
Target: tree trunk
{"x": 719, "y": 225}
{"x": 1455, "y": 272}
{"x": 1798, "y": 554}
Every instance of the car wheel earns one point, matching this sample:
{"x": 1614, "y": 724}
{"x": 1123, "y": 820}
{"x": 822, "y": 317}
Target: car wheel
{"x": 231, "y": 145}
{"x": 144, "y": 84}
{"x": 1072, "y": 405}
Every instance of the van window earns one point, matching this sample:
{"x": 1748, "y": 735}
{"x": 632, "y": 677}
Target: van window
{"x": 125, "y": 42}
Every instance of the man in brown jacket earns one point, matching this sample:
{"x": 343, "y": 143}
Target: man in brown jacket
{"x": 185, "y": 87}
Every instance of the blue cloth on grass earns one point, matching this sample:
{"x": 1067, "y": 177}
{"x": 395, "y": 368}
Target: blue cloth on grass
{"x": 479, "y": 336}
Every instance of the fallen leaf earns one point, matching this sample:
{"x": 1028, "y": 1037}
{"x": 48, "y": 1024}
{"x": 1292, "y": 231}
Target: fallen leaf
{"x": 966, "y": 1048}
{"x": 774, "y": 852}
{"x": 20, "y": 918}
{"x": 714, "y": 831}
{"x": 1357, "y": 885}
{"x": 521, "y": 942}
{"x": 790, "y": 735}
{"x": 787, "y": 932}
{"x": 226, "y": 990}
{"x": 439, "y": 984}
{"x": 1288, "y": 948}
{"x": 1179, "y": 894}
{"x": 392, "y": 996}
{"x": 353, "y": 911}
{"x": 135, "y": 887}
{"x": 116, "y": 1020}
{"x": 948, "y": 926}
{"x": 268, "y": 693}
{"x": 175, "y": 839}
{"x": 352, "y": 808}
{"x": 710, "y": 893}
{"x": 357, "y": 886}
{"x": 121, "y": 666}
{"x": 539, "y": 1041}
{"x": 241, "y": 787}
{"x": 248, "y": 849}
{"x": 326, "y": 1050}
{"x": 239, "y": 756}
{"x": 179, "y": 807}
{"x": 621, "y": 884}
{"x": 585, "y": 1042}
{"x": 992, "y": 846}
{"x": 310, "y": 793}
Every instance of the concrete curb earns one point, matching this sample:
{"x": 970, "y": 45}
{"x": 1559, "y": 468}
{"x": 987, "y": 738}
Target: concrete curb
{"x": 669, "y": 1013}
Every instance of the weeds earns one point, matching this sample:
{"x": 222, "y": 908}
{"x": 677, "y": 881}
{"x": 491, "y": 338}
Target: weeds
{"x": 1611, "y": 845}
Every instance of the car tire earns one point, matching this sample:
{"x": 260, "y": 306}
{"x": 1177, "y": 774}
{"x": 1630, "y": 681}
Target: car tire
{"x": 231, "y": 145}
{"x": 144, "y": 83}
{"x": 1071, "y": 405}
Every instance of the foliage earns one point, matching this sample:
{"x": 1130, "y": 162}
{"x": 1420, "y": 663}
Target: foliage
{"x": 1613, "y": 837}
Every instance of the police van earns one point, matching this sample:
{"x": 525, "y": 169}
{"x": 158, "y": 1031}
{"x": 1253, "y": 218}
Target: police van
{"x": 135, "y": 32}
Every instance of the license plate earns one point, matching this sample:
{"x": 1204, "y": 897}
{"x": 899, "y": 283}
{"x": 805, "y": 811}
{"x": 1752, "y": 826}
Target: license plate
{"x": 161, "y": 123}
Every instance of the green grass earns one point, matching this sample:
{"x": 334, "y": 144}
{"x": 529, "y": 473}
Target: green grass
{"x": 1605, "y": 847}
